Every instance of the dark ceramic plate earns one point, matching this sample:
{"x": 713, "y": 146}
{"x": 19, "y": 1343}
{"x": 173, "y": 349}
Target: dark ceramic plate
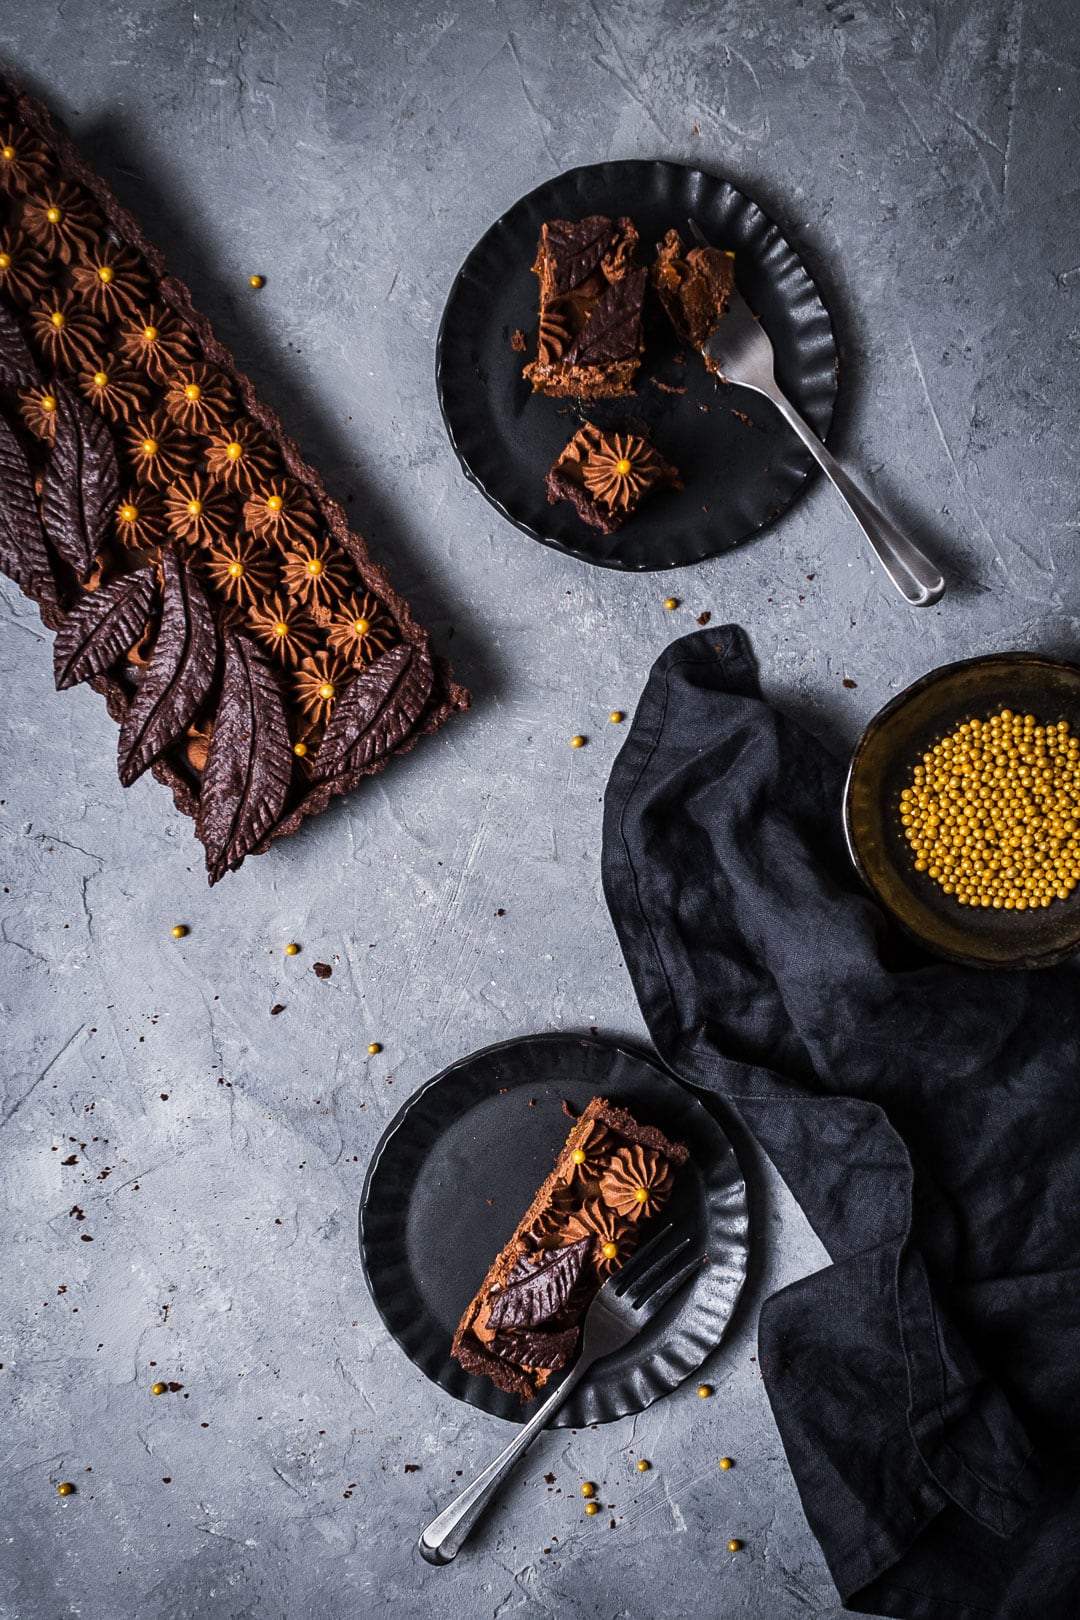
{"x": 457, "y": 1169}
{"x": 741, "y": 465}
{"x": 881, "y": 767}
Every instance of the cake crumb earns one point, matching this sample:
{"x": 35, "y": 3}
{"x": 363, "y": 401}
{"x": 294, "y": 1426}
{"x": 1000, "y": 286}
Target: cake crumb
{"x": 321, "y": 970}
{"x": 518, "y": 341}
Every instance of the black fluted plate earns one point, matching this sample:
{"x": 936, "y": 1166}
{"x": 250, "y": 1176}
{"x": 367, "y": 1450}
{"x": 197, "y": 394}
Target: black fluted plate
{"x": 881, "y": 765}
{"x": 741, "y": 465}
{"x": 458, "y": 1167}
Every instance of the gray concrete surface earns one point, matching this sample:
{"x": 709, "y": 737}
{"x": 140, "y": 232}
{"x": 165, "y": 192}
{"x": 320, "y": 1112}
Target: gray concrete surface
{"x": 926, "y": 156}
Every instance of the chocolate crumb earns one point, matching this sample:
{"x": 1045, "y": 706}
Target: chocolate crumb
{"x": 703, "y": 618}
{"x": 321, "y": 970}
{"x": 849, "y": 683}
{"x": 549, "y": 1479}
{"x": 412, "y": 1468}
{"x": 74, "y": 1159}
{"x": 278, "y": 1007}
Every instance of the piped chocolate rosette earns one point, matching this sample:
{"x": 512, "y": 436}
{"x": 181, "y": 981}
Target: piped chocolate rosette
{"x": 192, "y": 565}
{"x": 606, "y": 476}
{"x": 611, "y": 1177}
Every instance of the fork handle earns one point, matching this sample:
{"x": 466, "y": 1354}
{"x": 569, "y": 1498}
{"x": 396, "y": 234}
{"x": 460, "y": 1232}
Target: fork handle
{"x": 442, "y": 1540}
{"x": 914, "y": 575}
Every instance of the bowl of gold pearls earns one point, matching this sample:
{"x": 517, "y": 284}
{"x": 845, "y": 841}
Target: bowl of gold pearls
{"x": 962, "y": 810}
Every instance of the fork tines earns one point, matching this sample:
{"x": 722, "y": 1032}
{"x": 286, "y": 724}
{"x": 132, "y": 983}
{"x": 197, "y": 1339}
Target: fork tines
{"x": 647, "y": 1280}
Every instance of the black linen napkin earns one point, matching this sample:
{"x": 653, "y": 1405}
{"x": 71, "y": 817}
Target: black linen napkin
{"x": 926, "y": 1117}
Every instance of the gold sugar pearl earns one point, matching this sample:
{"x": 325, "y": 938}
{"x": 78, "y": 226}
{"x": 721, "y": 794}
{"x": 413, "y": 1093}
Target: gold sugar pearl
{"x": 105, "y": 273}
{"x": 179, "y": 931}
{"x": 641, "y": 1195}
{"x": 622, "y": 467}
{"x": 362, "y": 627}
{"x": 101, "y": 379}
{"x": 57, "y": 318}
{"x": 578, "y": 1155}
{"x": 734, "y": 1546}
{"x": 992, "y": 811}
{"x": 704, "y": 1391}
{"x": 326, "y": 691}
{"x": 236, "y": 570}
{"x": 8, "y": 153}
{"x": 588, "y": 1489}
{"x": 234, "y": 451}
{"x": 643, "y": 1466}
{"x": 616, "y": 717}
{"x": 374, "y": 1048}
{"x": 671, "y": 604}
{"x": 5, "y": 261}
{"x": 256, "y": 282}
{"x": 149, "y": 447}
{"x": 158, "y": 1389}
{"x": 48, "y": 402}
{"x": 281, "y": 629}
{"x": 299, "y": 749}
{"x": 577, "y": 742}
{"x": 129, "y": 513}
{"x": 193, "y": 392}
{"x": 150, "y": 333}
{"x": 195, "y": 508}
{"x": 53, "y": 215}
{"x": 609, "y": 1251}
{"x": 591, "y": 1508}
{"x": 314, "y": 564}
{"x": 275, "y": 503}
{"x": 726, "y": 1463}
{"x": 66, "y": 1489}
{"x": 292, "y": 949}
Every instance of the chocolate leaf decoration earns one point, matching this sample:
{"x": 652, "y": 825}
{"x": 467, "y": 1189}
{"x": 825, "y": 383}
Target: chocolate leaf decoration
{"x": 535, "y": 1293}
{"x": 178, "y": 676}
{"x": 249, "y": 762}
{"x": 536, "y": 1348}
{"x": 376, "y": 711}
{"x": 82, "y": 484}
{"x": 578, "y": 248}
{"x": 17, "y": 364}
{"x": 613, "y": 330}
{"x": 23, "y": 554}
{"x": 104, "y": 625}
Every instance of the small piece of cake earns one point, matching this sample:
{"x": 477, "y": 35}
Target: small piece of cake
{"x": 612, "y": 1176}
{"x": 606, "y": 476}
{"x": 695, "y": 288}
{"x": 591, "y": 291}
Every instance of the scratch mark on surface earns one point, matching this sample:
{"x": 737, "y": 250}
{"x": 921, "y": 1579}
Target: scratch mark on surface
{"x": 46, "y": 1071}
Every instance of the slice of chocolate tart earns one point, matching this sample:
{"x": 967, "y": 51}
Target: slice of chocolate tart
{"x": 611, "y": 1177}
{"x": 591, "y": 290}
{"x": 695, "y": 288}
{"x": 606, "y": 476}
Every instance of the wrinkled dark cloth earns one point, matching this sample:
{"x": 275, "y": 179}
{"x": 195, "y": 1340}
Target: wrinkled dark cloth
{"x": 927, "y": 1118}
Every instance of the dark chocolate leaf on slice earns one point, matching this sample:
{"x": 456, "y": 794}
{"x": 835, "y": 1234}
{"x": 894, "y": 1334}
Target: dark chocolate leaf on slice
{"x": 178, "y": 676}
{"x": 17, "y": 364}
{"x": 249, "y": 762}
{"x": 537, "y": 1292}
{"x": 536, "y": 1348}
{"x": 103, "y": 626}
{"x": 577, "y": 248}
{"x": 376, "y": 711}
{"x": 613, "y": 329}
{"x": 23, "y": 553}
{"x": 82, "y": 484}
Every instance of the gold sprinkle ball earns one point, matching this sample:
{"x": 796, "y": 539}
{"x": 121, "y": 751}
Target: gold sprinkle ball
{"x": 992, "y": 812}
{"x": 577, "y": 742}
{"x": 375, "y": 1048}
{"x": 292, "y": 949}
{"x": 725, "y": 1462}
{"x": 179, "y": 931}
{"x": 591, "y": 1508}
{"x": 734, "y": 1546}
{"x": 704, "y": 1390}
{"x": 588, "y": 1489}
{"x": 158, "y": 1389}
{"x": 299, "y": 749}
{"x": 256, "y": 282}
{"x": 643, "y": 1466}
{"x": 65, "y": 1489}
{"x": 671, "y": 603}
{"x": 616, "y": 717}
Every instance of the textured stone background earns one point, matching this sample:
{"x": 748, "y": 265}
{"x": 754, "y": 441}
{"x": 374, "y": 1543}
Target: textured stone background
{"x": 926, "y": 157}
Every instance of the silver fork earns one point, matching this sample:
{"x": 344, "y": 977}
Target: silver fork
{"x": 739, "y": 347}
{"x": 629, "y": 1299}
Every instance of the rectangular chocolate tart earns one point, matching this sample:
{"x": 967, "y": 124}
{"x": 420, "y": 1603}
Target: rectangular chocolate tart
{"x": 591, "y": 290}
{"x": 586, "y": 1220}
{"x": 194, "y": 568}
{"x": 606, "y": 476}
{"x": 695, "y": 288}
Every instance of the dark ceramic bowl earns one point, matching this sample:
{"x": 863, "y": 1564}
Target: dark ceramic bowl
{"x": 881, "y": 766}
